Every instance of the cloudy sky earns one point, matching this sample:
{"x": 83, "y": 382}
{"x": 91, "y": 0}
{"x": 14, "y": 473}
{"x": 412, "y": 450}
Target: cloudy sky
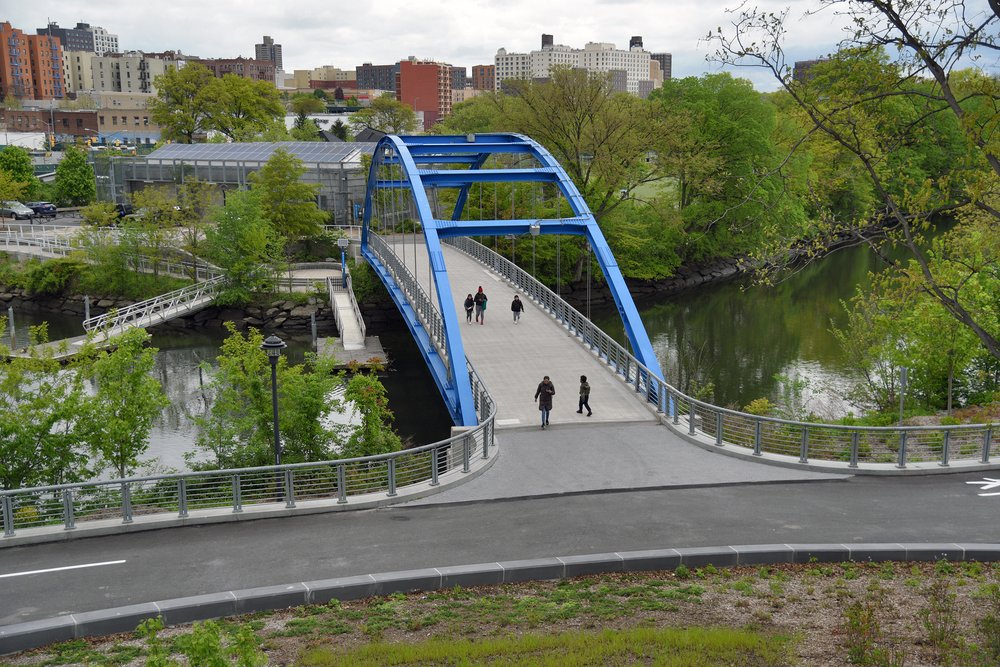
{"x": 314, "y": 32}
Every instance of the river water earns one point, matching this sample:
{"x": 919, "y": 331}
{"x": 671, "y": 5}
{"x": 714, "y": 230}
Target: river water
{"x": 735, "y": 336}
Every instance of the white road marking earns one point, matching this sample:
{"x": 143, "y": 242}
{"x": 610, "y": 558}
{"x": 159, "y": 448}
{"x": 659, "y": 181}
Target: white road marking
{"x": 986, "y": 484}
{"x": 60, "y": 569}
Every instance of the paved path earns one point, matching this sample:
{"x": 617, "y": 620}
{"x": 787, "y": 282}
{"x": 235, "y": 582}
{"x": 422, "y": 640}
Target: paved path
{"x": 511, "y": 359}
{"x": 580, "y": 458}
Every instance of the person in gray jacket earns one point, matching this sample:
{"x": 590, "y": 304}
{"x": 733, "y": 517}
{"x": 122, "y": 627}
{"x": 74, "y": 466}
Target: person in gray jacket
{"x": 584, "y": 396}
{"x": 546, "y": 390}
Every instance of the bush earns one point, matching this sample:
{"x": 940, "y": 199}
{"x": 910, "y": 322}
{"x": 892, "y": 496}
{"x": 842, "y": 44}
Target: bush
{"x": 761, "y": 407}
{"x": 53, "y": 276}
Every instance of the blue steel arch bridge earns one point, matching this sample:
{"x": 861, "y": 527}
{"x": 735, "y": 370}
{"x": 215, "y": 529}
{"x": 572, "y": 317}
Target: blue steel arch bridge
{"x": 422, "y": 193}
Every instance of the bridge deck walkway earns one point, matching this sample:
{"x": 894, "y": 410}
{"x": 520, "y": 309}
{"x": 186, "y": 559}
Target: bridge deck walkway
{"x": 511, "y": 359}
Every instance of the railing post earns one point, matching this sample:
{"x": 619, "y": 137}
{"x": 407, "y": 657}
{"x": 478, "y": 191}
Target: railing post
{"x": 486, "y": 442}
{"x": 465, "y": 454}
{"x": 901, "y": 462}
{"x": 182, "y": 498}
{"x": 341, "y": 485}
{"x": 676, "y": 413}
{"x": 68, "y": 519}
{"x": 8, "y": 516}
{"x": 289, "y": 488}
{"x": 126, "y": 503}
{"x": 434, "y": 467}
{"x": 392, "y": 478}
{"x": 757, "y": 438}
{"x": 804, "y": 446}
{"x": 718, "y": 429}
{"x": 854, "y": 449}
{"x": 237, "y": 495}
{"x": 987, "y": 438}
{"x": 946, "y": 448}
{"x": 691, "y": 417}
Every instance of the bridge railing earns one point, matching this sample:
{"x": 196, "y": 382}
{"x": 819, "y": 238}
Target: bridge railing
{"x": 334, "y": 285}
{"x": 891, "y": 446}
{"x": 115, "y": 320}
{"x": 334, "y": 482}
{"x": 421, "y": 303}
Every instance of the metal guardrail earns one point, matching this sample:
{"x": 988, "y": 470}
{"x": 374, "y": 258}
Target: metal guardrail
{"x": 422, "y": 304}
{"x": 333, "y": 285}
{"x": 182, "y": 494}
{"x": 116, "y": 320}
{"x": 806, "y": 441}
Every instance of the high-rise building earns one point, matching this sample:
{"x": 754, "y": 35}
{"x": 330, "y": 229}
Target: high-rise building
{"x": 459, "y": 78}
{"x": 426, "y": 87}
{"x": 484, "y": 77}
{"x": 104, "y": 41}
{"x": 269, "y": 51}
{"x": 594, "y": 57}
{"x": 376, "y": 77}
{"x": 79, "y": 38}
{"x": 666, "y": 62}
{"x": 31, "y": 66}
{"x": 129, "y": 72}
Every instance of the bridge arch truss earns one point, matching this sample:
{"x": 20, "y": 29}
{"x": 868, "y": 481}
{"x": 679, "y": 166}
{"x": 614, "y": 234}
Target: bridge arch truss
{"x": 406, "y": 176}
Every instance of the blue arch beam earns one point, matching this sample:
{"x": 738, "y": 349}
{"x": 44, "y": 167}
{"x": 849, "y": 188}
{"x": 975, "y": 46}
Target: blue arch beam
{"x": 412, "y": 155}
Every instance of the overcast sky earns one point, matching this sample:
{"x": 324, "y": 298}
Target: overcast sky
{"x": 315, "y": 32}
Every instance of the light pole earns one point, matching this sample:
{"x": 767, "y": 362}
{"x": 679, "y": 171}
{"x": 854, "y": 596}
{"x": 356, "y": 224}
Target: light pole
{"x": 535, "y": 230}
{"x": 272, "y": 347}
{"x": 342, "y": 244}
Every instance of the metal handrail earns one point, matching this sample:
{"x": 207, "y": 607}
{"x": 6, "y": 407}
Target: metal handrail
{"x": 422, "y": 304}
{"x": 334, "y": 481}
{"x": 331, "y": 287}
{"x": 117, "y": 319}
{"x": 806, "y": 441}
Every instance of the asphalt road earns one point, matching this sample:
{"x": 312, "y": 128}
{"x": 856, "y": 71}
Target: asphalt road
{"x": 195, "y": 560}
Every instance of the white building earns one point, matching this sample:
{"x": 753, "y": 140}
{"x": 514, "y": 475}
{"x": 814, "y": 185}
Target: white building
{"x": 104, "y": 41}
{"x": 600, "y": 57}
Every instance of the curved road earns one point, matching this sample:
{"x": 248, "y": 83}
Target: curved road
{"x": 195, "y": 560}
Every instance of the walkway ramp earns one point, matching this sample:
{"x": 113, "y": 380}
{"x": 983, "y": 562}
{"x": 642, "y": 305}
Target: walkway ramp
{"x": 511, "y": 359}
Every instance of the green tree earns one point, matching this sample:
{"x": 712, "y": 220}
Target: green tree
{"x": 307, "y": 131}
{"x": 15, "y": 162}
{"x": 149, "y": 233}
{"x": 898, "y": 113}
{"x": 374, "y": 435}
{"x": 196, "y": 200}
{"x": 75, "y": 182}
{"x": 246, "y": 246}
{"x": 181, "y": 105}
{"x": 10, "y": 188}
{"x": 287, "y": 202}
{"x": 483, "y": 113}
{"x": 238, "y": 429}
{"x": 385, "y": 114}
{"x": 339, "y": 129}
{"x": 240, "y": 108}
{"x": 10, "y": 102}
{"x": 117, "y": 419}
{"x": 40, "y": 401}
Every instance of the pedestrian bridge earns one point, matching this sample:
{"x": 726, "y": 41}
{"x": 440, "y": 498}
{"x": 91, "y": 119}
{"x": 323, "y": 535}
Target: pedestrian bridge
{"x": 426, "y": 196}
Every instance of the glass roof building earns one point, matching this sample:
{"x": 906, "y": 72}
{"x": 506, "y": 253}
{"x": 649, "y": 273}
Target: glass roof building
{"x": 335, "y": 166}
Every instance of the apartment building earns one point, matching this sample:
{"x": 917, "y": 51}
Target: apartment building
{"x": 425, "y": 86}
{"x": 30, "y": 65}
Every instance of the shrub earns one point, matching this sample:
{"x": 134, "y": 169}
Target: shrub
{"x": 53, "y": 276}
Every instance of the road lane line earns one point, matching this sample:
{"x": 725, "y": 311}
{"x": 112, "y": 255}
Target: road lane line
{"x": 60, "y": 569}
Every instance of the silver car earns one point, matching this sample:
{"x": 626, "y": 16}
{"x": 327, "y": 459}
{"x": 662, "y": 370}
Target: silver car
{"x": 16, "y": 210}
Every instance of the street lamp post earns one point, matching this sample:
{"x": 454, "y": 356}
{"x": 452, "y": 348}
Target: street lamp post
{"x": 535, "y": 230}
{"x": 342, "y": 244}
{"x": 272, "y": 347}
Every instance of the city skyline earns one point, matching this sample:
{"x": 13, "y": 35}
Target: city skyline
{"x": 393, "y": 31}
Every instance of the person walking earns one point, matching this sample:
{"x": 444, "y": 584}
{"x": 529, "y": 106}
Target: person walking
{"x": 469, "y": 305}
{"x": 584, "y": 396}
{"x": 480, "y": 302}
{"x": 516, "y": 307}
{"x": 546, "y": 390}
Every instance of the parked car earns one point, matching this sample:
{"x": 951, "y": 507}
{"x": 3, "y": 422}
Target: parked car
{"x": 16, "y": 210}
{"x": 42, "y": 209}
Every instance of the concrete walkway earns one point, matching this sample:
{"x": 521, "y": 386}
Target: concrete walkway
{"x": 511, "y": 359}
{"x": 570, "y": 458}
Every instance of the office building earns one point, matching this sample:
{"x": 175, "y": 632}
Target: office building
{"x": 666, "y": 62}
{"x": 269, "y": 51}
{"x": 376, "y": 77}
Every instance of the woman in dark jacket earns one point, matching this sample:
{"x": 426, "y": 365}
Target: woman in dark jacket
{"x": 469, "y": 305}
{"x": 546, "y": 390}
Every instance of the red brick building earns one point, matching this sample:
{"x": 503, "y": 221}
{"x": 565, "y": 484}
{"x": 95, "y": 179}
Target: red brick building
{"x": 31, "y": 66}
{"x": 248, "y": 68}
{"x": 484, "y": 77}
{"x": 426, "y": 87}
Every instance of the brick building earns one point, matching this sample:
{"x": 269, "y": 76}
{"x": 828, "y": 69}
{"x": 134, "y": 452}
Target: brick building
{"x": 30, "y": 65}
{"x": 426, "y": 87}
{"x": 484, "y": 77}
{"x": 248, "y": 68}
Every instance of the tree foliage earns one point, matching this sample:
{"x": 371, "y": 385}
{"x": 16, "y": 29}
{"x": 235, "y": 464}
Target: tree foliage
{"x": 246, "y": 246}
{"x": 385, "y": 114}
{"x": 287, "y": 202}
{"x": 15, "y": 163}
{"x": 923, "y": 132}
{"x": 181, "y": 106}
{"x": 75, "y": 182}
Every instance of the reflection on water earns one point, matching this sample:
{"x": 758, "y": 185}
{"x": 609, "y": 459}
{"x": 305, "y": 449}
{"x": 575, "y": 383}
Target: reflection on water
{"x": 420, "y": 414}
{"x": 738, "y": 338}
